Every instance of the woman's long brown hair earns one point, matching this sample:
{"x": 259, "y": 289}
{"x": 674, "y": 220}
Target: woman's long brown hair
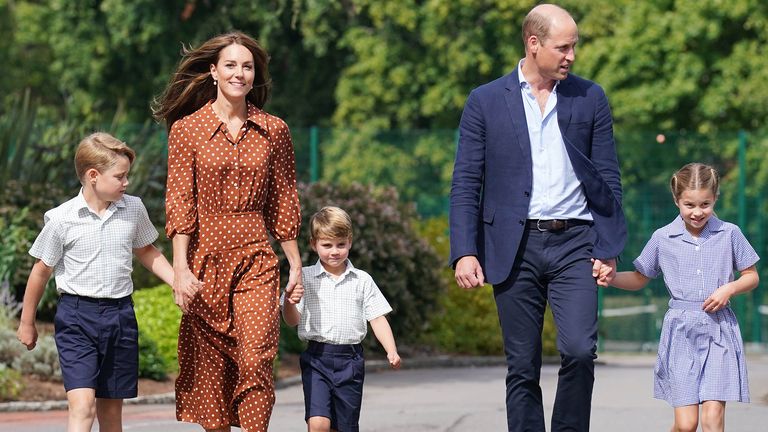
{"x": 191, "y": 86}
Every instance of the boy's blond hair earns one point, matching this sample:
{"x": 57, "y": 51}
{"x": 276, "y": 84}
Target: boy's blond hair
{"x": 330, "y": 223}
{"x": 100, "y": 151}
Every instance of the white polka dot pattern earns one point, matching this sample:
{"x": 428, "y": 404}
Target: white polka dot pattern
{"x": 226, "y": 193}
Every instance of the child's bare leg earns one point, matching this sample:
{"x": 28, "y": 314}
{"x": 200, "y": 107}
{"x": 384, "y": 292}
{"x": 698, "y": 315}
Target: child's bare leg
{"x": 319, "y": 424}
{"x": 110, "y": 414}
{"x": 686, "y": 418}
{"x": 713, "y": 416}
{"x": 82, "y": 409}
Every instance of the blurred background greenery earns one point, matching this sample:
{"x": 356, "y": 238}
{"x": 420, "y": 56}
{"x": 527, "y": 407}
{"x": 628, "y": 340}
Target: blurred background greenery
{"x": 373, "y": 91}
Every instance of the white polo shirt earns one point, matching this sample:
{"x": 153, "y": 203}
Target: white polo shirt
{"x": 337, "y": 311}
{"x": 92, "y": 255}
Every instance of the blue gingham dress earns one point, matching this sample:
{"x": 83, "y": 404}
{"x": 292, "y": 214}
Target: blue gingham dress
{"x": 701, "y": 355}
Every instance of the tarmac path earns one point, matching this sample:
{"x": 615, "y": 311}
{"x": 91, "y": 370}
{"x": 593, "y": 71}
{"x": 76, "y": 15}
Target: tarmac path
{"x": 459, "y": 399}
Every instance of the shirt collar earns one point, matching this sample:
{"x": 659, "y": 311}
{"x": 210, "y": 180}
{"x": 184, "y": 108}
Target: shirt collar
{"x": 82, "y": 204}
{"x": 524, "y": 82}
{"x": 213, "y": 123}
{"x": 714, "y": 225}
{"x": 317, "y": 270}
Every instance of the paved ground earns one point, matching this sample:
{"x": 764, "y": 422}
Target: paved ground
{"x": 460, "y": 399}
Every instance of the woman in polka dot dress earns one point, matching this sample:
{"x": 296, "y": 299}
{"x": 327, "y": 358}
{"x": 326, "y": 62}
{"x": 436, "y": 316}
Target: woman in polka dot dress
{"x": 231, "y": 181}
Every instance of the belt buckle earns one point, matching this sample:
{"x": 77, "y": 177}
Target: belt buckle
{"x": 554, "y": 225}
{"x": 538, "y": 226}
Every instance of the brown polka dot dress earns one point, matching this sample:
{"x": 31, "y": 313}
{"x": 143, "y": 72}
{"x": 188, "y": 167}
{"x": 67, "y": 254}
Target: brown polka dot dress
{"x": 227, "y": 194}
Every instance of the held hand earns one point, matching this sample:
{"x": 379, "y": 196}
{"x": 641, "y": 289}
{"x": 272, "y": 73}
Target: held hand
{"x": 27, "y": 335}
{"x": 603, "y": 271}
{"x": 469, "y": 274}
{"x": 718, "y": 300}
{"x": 294, "y": 295}
{"x": 185, "y": 287}
{"x": 394, "y": 360}
{"x": 294, "y": 289}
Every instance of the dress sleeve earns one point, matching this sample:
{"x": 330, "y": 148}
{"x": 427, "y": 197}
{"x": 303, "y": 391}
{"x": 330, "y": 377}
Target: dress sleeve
{"x": 647, "y": 263}
{"x": 281, "y": 212}
{"x": 180, "y": 193}
{"x": 744, "y": 255}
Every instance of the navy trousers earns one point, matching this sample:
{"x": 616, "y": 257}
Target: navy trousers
{"x": 552, "y": 267}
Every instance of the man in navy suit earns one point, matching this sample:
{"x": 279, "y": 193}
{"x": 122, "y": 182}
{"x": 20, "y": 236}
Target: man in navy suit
{"x": 536, "y": 212}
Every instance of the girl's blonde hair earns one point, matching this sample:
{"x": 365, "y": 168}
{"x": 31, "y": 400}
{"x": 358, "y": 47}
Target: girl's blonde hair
{"x": 330, "y": 223}
{"x": 694, "y": 176}
{"x": 100, "y": 151}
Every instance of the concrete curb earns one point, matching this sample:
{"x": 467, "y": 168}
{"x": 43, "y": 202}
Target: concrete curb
{"x": 372, "y": 366}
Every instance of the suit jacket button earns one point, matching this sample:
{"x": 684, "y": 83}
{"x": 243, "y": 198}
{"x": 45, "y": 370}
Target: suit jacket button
{"x": 526, "y": 193}
{"x": 521, "y": 222}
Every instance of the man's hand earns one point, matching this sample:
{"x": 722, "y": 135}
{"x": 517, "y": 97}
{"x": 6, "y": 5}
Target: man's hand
{"x": 469, "y": 274}
{"x": 603, "y": 271}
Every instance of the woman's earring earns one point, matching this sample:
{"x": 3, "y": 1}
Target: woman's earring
{"x": 215, "y": 82}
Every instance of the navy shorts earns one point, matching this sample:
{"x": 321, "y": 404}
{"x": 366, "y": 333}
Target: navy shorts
{"x": 332, "y": 377}
{"x": 98, "y": 344}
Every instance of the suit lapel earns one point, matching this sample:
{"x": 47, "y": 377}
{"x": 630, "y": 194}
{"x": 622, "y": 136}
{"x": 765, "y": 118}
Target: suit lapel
{"x": 514, "y": 101}
{"x": 564, "y": 106}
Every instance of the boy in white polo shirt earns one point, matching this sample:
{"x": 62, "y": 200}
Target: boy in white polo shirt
{"x": 338, "y": 302}
{"x": 88, "y": 243}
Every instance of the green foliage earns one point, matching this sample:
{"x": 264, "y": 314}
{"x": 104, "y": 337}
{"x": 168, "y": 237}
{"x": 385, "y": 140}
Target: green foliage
{"x": 152, "y": 364}
{"x": 43, "y": 361}
{"x": 11, "y": 383}
{"x": 9, "y": 306}
{"x": 10, "y": 347}
{"x": 158, "y": 318}
{"x": 467, "y": 320}
{"x": 386, "y": 245}
{"x": 418, "y": 164}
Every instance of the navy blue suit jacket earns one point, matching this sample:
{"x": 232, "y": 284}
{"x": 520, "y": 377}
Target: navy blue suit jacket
{"x": 492, "y": 177}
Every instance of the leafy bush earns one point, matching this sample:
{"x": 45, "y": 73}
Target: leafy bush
{"x": 43, "y": 361}
{"x": 10, "y": 347}
{"x": 467, "y": 321}
{"x": 152, "y": 364}
{"x": 9, "y": 306}
{"x": 22, "y": 206}
{"x": 11, "y": 383}
{"x": 158, "y": 318}
{"x": 386, "y": 245}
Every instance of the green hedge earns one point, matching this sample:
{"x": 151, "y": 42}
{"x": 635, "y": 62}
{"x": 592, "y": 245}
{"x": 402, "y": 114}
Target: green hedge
{"x": 158, "y": 318}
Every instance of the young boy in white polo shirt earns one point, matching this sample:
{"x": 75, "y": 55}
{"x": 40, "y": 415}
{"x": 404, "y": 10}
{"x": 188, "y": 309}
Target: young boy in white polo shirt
{"x": 338, "y": 302}
{"x": 88, "y": 243}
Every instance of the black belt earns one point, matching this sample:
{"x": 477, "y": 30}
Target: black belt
{"x": 553, "y": 225}
{"x": 322, "y": 347}
{"x": 76, "y": 299}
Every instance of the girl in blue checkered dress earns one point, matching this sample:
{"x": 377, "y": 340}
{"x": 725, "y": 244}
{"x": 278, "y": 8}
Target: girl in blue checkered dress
{"x": 701, "y": 355}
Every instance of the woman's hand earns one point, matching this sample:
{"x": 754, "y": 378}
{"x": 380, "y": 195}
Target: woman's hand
{"x": 185, "y": 287}
{"x": 294, "y": 290}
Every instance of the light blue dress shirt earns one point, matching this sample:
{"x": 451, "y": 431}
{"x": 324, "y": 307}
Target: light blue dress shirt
{"x": 556, "y": 192}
